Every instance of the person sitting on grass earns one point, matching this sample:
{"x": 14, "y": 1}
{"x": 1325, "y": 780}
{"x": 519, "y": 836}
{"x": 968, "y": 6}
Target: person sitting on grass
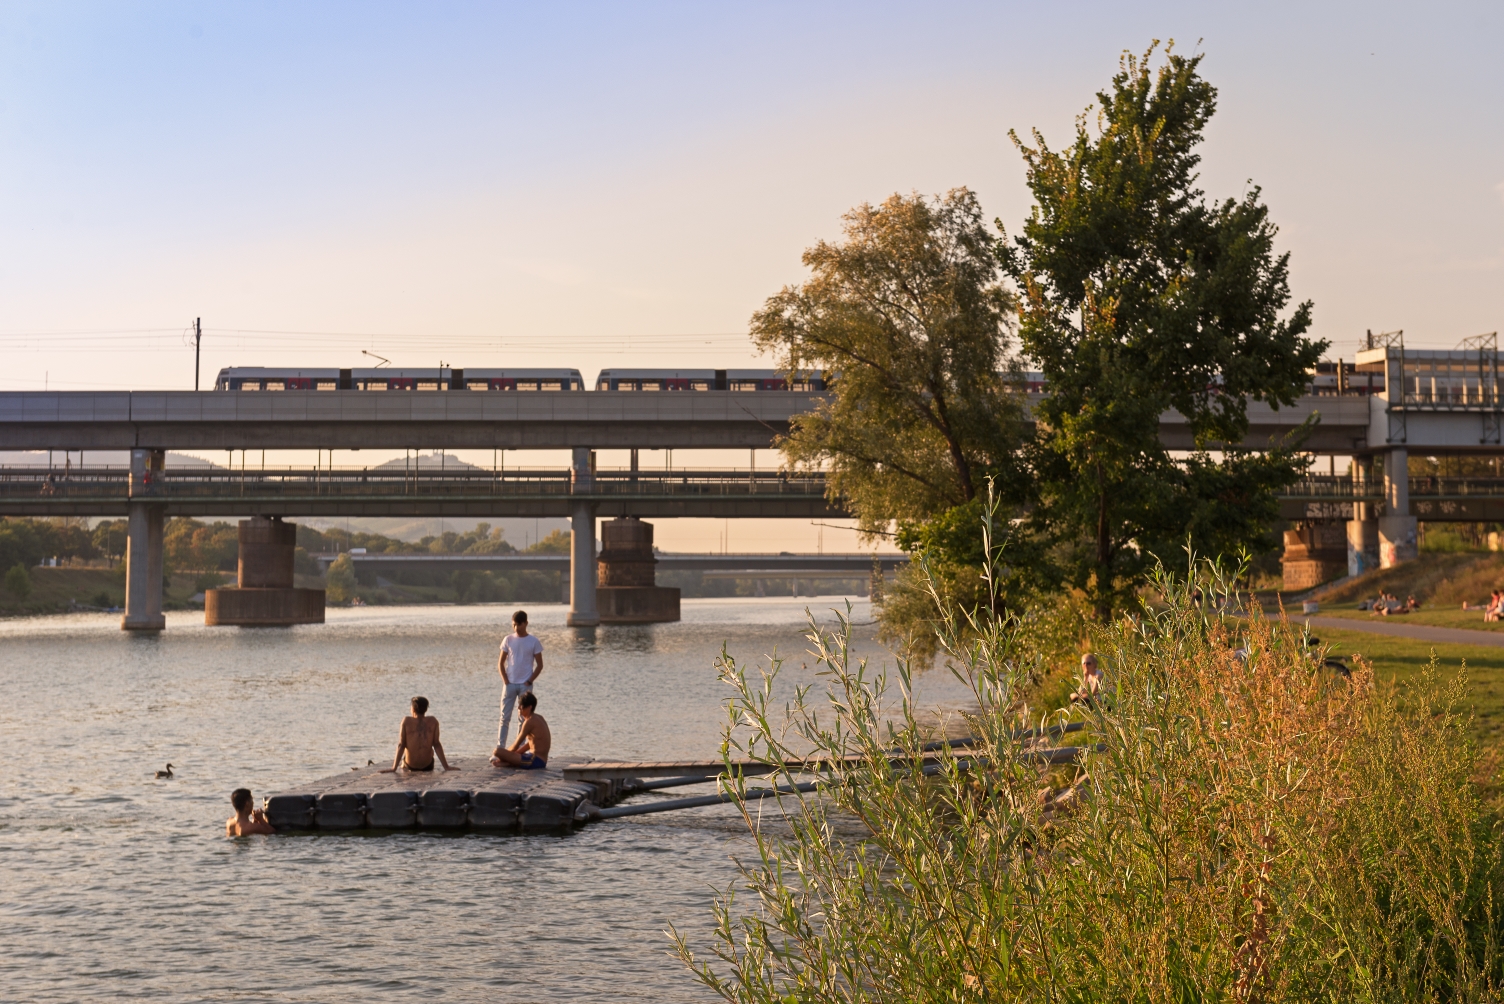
{"x": 247, "y": 819}
{"x": 1495, "y": 606}
{"x": 534, "y": 735}
{"x": 418, "y": 740}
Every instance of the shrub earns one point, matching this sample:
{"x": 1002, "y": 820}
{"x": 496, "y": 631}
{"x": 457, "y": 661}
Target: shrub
{"x": 1250, "y": 826}
{"x": 18, "y": 581}
{"x": 339, "y": 582}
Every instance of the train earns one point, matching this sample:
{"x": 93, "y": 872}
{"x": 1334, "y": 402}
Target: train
{"x": 1326, "y": 378}
{"x": 257, "y": 378}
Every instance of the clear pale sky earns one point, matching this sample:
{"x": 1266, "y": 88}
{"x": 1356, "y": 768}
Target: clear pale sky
{"x": 614, "y": 184}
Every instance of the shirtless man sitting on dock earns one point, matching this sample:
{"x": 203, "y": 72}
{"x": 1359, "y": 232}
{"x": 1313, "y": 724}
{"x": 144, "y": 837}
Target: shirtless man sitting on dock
{"x": 418, "y": 739}
{"x": 247, "y": 819}
{"x": 534, "y": 735}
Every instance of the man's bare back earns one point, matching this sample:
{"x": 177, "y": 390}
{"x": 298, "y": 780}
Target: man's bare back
{"x": 418, "y": 741}
{"x": 418, "y": 735}
{"x": 245, "y": 826}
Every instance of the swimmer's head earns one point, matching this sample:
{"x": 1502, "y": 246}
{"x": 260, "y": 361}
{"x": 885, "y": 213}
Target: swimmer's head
{"x": 240, "y": 798}
{"x": 420, "y": 705}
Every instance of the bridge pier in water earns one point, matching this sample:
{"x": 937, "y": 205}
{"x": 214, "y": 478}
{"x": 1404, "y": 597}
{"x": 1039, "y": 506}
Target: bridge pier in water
{"x": 145, "y": 517}
{"x": 629, "y": 592}
{"x": 582, "y": 571}
{"x": 264, "y": 595}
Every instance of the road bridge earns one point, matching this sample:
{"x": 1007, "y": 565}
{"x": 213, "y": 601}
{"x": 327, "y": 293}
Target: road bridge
{"x": 465, "y": 492}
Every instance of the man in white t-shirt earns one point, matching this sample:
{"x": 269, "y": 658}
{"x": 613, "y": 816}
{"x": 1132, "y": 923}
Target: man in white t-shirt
{"x": 520, "y": 663}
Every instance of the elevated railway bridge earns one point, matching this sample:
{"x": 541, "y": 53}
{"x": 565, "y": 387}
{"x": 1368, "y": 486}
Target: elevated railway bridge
{"x": 1392, "y": 401}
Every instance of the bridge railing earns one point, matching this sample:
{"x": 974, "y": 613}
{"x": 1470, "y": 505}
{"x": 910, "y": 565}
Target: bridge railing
{"x": 219, "y": 483}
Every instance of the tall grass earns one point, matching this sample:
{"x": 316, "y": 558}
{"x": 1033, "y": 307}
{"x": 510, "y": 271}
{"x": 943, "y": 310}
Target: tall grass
{"x": 1256, "y": 828}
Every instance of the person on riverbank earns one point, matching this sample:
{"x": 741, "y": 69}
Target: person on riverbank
{"x": 519, "y": 664}
{"x": 1091, "y": 681}
{"x": 534, "y": 734}
{"x": 418, "y": 741}
{"x": 247, "y": 819}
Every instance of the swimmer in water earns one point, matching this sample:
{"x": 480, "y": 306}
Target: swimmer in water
{"x": 247, "y": 820}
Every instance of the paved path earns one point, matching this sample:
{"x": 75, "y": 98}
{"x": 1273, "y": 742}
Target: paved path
{"x": 1420, "y": 632}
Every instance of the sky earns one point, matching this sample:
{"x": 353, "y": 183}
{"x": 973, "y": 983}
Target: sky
{"x": 612, "y": 184}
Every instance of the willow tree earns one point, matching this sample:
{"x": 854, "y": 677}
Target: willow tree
{"x": 1138, "y": 296}
{"x": 908, "y": 318}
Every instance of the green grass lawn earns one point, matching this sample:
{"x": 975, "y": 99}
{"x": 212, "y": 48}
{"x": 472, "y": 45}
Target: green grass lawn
{"x": 1403, "y": 659}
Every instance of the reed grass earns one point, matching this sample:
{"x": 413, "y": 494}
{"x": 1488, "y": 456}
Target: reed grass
{"x": 1257, "y": 829}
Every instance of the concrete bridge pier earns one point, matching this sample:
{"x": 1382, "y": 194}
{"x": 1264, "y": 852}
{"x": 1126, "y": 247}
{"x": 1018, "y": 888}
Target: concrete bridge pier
{"x": 582, "y": 570}
{"x": 1363, "y": 528}
{"x": 1398, "y": 530}
{"x": 143, "y": 545}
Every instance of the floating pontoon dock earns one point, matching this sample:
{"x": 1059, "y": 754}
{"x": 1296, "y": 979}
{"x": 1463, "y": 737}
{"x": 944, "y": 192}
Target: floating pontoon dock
{"x": 483, "y": 798}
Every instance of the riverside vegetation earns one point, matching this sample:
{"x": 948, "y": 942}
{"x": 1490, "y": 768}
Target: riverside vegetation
{"x": 1255, "y": 828}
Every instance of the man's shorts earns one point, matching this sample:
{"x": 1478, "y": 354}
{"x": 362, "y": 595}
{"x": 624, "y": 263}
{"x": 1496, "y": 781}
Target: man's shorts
{"x": 530, "y": 762}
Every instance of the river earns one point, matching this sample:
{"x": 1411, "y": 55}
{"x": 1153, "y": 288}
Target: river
{"x": 120, "y": 886}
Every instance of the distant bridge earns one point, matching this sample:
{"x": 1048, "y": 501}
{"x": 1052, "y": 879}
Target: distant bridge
{"x": 385, "y": 491}
{"x": 770, "y": 566}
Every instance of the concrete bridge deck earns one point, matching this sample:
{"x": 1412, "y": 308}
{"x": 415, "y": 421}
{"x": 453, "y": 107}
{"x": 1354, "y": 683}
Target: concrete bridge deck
{"x": 540, "y": 420}
{"x": 424, "y": 492}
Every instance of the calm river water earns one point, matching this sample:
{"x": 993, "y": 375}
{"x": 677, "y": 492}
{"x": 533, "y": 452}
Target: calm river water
{"x": 120, "y": 886}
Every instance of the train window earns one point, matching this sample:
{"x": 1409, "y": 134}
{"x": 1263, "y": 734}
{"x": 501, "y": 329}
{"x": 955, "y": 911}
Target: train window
{"x": 373, "y": 385}
{"x": 527, "y": 385}
{"x": 744, "y": 385}
{"x": 553, "y": 385}
{"x": 250, "y": 385}
{"x": 699, "y": 384}
{"x": 603, "y": 385}
{"x": 574, "y": 385}
{"x": 428, "y": 385}
{"x": 652, "y": 385}
{"x": 477, "y": 385}
{"x": 800, "y": 385}
{"x": 328, "y": 385}
{"x": 625, "y": 385}
{"x": 276, "y": 385}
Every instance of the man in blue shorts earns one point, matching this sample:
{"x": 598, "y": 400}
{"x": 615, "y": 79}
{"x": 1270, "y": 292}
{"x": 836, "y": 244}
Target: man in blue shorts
{"x": 534, "y": 735}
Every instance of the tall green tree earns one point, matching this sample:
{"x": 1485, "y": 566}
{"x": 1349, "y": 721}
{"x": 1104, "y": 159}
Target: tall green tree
{"x": 908, "y": 317}
{"x": 1138, "y": 296}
